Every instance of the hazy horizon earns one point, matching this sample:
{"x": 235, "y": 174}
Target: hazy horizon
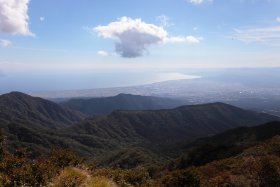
{"x": 62, "y": 45}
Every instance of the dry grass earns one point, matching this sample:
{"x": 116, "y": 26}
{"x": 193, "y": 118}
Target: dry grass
{"x": 70, "y": 177}
{"x": 99, "y": 182}
{"x": 76, "y": 177}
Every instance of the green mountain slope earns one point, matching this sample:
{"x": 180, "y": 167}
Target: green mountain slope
{"x": 172, "y": 125}
{"x": 106, "y": 105}
{"x": 17, "y": 106}
{"x": 140, "y": 137}
{"x": 224, "y": 145}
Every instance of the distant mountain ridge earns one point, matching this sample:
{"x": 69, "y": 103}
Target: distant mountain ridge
{"x": 182, "y": 123}
{"x": 105, "y": 105}
{"x": 17, "y": 106}
{"x": 33, "y": 122}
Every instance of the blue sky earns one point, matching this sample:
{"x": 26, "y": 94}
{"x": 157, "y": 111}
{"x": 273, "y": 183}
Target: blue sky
{"x": 50, "y": 45}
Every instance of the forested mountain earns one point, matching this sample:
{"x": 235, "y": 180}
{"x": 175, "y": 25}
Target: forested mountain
{"x": 105, "y": 105}
{"x": 255, "y": 165}
{"x": 171, "y": 125}
{"x": 29, "y": 121}
{"x": 225, "y": 145}
{"x": 17, "y": 106}
{"x": 140, "y": 142}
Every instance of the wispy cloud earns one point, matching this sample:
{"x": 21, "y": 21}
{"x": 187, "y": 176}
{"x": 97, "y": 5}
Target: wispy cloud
{"x": 14, "y": 18}
{"x": 181, "y": 39}
{"x": 133, "y": 36}
{"x": 164, "y": 21}
{"x": 5, "y": 43}
{"x": 197, "y": 2}
{"x": 265, "y": 35}
{"x": 53, "y": 50}
{"x": 278, "y": 19}
{"x": 5, "y": 62}
{"x": 102, "y": 53}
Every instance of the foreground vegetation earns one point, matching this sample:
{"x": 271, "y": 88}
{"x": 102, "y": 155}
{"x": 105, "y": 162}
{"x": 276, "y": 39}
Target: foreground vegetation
{"x": 256, "y": 166}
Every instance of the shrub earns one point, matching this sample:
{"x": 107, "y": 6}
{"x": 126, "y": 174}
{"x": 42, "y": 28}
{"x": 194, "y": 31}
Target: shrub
{"x": 182, "y": 178}
{"x": 2, "y": 140}
{"x": 5, "y": 180}
{"x": 270, "y": 171}
{"x": 99, "y": 182}
{"x": 63, "y": 157}
{"x": 70, "y": 177}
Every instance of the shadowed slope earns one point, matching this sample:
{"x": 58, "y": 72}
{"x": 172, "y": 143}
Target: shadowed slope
{"x": 17, "y": 106}
{"x": 106, "y": 105}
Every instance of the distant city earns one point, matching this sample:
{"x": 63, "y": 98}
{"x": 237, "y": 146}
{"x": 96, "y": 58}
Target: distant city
{"x": 253, "y": 89}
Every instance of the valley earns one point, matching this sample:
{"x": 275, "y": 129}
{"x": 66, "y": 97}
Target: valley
{"x": 131, "y": 131}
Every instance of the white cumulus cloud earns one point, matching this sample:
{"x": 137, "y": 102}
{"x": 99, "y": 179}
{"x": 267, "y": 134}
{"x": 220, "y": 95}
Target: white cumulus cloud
{"x": 102, "y": 53}
{"x": 133, "y": 36}
{"x": 199, "y": 1}
{"x": 5, "y": 43}
{"x": 14, "y": 18}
